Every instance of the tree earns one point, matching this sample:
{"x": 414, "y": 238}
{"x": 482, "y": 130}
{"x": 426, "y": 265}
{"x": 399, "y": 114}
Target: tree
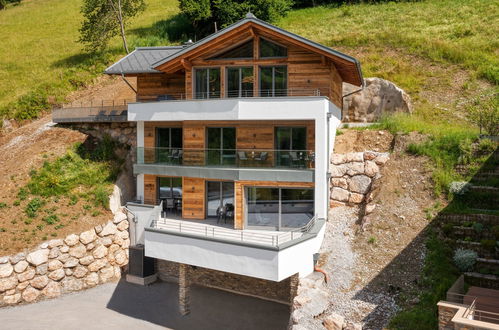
{"x": 203, "y": 14}
{"x": 104, "y": 19}
{"x": 483, "y": 111}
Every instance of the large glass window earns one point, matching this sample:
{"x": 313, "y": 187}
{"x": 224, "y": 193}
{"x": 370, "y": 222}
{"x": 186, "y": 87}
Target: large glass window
{"x": 270, "y": 49}
{"x": 221, "y": 143}
{"x": 291, "y": 144}
{"x": 273, "y": 81}
{"x": 242, "y": 51}
{"x": 170, "y": 188}
{"x": 240, "y": 82}
{"x": 279, "y": 208}
{"x": 207, "y": 83}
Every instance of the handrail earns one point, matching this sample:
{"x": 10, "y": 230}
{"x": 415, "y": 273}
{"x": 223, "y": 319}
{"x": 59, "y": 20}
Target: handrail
{"x": 211, "y": 231}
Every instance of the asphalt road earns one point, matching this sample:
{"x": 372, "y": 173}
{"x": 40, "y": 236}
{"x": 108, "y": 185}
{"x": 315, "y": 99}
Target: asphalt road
{"x": 128, "y": 306}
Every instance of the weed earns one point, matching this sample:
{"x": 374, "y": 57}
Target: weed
{"x": 488, "y": 244}
{"x": 59, "y": 226}
{"x": 2, "y": 205}
{"x": 371, "y": 240}
{"x": 2, "y": 230}
{"x": 44, "y": 237}
{"x": 87, "y": 207}
{"x": 51, "y": 219}
{"x": 40, "y": 227}
{"x": 73, "y": 199}
{"x": 33, "y": 206}
{"x": 17, "y": 202}
{"x": 13, "y": 221}
{"x": 53, "y": 234}
{"x": 22, "y": 194}
{"x": 95, "y": 213}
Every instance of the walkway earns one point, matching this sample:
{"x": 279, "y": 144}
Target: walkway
{"x": 128, "y": 306}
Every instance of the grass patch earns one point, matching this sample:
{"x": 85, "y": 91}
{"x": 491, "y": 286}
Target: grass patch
{"x": 439, "y": 274}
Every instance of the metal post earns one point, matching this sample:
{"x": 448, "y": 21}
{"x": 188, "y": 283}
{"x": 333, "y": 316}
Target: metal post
{"x": 242, "y": 236}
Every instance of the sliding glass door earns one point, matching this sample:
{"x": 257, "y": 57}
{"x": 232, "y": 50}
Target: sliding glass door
{"x": 240, "y": 82}
{"x": 273, "y": 81}
{"x": 221, "y": 144}
{"x": 168, "y": 143}
{"x": 170, "y": 187}
{"x": 218, "y": 194}
{"x": 279, "y": 208}
{"x": 291, "y": 144}
{"x": 207, "y": 83}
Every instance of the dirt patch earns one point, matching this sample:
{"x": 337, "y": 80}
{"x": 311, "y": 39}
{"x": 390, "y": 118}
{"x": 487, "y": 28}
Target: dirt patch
{"x": 25, "y": 149}
{"x": 353, "y": 140}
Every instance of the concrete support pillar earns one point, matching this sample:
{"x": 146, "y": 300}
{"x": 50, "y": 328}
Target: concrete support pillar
{"x": 184, "y": 289}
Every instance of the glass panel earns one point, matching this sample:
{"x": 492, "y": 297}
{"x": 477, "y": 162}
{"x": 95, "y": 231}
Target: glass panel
{"x": 176, "y": 137}
{"x": 270, "y": 49}
{"x": 177, "y": 188}
{"x": 283, "y": 143}
{"x": 229, "y": 146}
{"x": 280, "y": 80}
{"x": 266, "y": 81}
{"x": 164, "y": 188}
{"x": 247, "y": 80}
{"x": 214, "y": 83}
{"x": 299, "y": 136}
{"x": 162, "y": 141}
{"x": 297, "y": 207}
{"x": 213, "y": 198}
{"x": 263, "y": 207}
{"x": 228, "y": 193}
{"x": 214, "y": 144}
{"x": 201, "y": 84}
{"x": 242, "y": 51}
{"x": 233, "y": 82}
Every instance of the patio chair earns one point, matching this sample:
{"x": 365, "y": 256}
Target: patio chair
{"x": 262, "y": 157}
{"x": 242, "y": 155}
{"x": 169, "y": 205}
{"x": 295, "y": 160}
{"x": 173, "y": 154}
{"x": 178, "y": 206}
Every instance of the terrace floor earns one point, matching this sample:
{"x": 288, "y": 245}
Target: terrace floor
{"x": 209, "y": 228}
{"x": 486, "y": 299}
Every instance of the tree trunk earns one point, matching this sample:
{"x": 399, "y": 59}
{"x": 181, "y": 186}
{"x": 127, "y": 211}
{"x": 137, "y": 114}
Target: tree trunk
{"x": 122, "y": 27}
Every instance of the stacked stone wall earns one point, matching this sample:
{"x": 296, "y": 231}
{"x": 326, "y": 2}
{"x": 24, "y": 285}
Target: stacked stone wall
{"x": 76, "y": 262}
{"x": 125, "y": 133}
{"x": 353, "y": 175}
{"x": 283, "y": 291}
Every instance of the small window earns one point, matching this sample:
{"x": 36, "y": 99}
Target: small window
{"x": 242, "y": 51}
{"x": 270, "y": 49}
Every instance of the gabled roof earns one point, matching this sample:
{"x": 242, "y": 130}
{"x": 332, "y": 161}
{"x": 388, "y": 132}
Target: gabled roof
{"x": 141, "y": 60}
{"x": 153, "y": 59}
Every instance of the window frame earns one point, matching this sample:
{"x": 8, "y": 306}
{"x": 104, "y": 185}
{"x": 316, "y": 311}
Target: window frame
{"x": 226, "y": 79}
{"x": 194, "y": 82}
{"x": 273, "y": 79}
{"x": 271, "y": 41}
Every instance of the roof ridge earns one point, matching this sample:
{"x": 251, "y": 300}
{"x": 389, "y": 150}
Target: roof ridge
{"x": 158, "y": 47}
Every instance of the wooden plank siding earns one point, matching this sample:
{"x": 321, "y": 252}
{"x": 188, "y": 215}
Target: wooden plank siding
{"x": 240, "y": 195}
{"x": 150, "y": 86}
{"x": 307, "y": 70}
{"x": 193, "y": 198}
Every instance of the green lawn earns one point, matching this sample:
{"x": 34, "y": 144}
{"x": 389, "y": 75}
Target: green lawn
{"x": 39, "y": 50}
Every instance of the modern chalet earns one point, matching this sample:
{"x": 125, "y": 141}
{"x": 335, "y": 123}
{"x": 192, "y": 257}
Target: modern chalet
{"x": 234, "y": 135}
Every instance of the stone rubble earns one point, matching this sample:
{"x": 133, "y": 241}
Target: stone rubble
{"x": 65, "y": 265}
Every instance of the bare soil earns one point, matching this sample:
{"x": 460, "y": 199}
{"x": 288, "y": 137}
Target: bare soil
{"x": 26, "y": 148}
{"x": 353, "y": 140}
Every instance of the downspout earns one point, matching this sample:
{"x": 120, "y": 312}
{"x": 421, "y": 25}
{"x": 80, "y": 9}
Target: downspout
{"x": 134, "y": 219}
{"x": 128, "y": 83}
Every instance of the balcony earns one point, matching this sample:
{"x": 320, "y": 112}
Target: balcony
{"x": 233, "y": 158}
{"x": 92, "y": 111}
{"x": 237, "y": 164}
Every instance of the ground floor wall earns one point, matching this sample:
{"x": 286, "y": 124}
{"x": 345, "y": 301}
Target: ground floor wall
{"x": 282, "y": 292}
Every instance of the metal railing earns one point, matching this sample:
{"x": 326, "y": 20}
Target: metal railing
{"x": 472, "y": 312}
{"x": 92, "y": 110}
{"x": 239, "y": 158}
{"x": 247, "y": 236}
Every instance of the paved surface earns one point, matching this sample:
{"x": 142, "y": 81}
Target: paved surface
{"x": 129, "y": 306}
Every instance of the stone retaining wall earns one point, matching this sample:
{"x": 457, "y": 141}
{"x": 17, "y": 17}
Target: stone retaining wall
{"x": 283, "y": 291}
{"x": 352, "y": 176}
{"x": 125, "y": 133}
{"x": 58, "y": 266}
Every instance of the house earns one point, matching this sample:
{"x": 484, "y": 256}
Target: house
{"x": 234, "y": 134}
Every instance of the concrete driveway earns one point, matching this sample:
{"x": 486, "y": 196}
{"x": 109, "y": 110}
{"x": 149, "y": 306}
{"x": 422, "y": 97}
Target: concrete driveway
{"x": 128, "y": 306}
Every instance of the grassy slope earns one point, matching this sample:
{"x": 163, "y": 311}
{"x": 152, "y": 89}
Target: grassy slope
{"x": 39, "y": 47}
{"x": 450, "y": 31}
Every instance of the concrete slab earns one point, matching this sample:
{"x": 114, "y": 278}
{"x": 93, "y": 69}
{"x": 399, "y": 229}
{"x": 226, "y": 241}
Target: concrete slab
{"x": 124, "y": 305}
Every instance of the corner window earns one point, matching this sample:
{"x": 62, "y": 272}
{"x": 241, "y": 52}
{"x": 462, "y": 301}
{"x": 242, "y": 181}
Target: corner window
{"x": 270, "y": 49}
{"x": 207, "y": 83}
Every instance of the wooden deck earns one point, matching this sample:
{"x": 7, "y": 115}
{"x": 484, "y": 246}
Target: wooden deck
{"x": 487, "y": 300}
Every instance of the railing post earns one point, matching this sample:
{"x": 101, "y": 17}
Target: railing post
{"x": 180, "y": 226}
{"x": 277, "y": 240}
{"x": 213, "y": 232}
{"x": 242, "y": 236}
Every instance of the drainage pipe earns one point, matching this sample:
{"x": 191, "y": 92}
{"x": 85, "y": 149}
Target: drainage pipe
{"x": 326, "y": 277}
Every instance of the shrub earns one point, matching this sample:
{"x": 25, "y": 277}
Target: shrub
{"x": 484, "y": 112}
{"x": 33, "y": 206}
{"x": 478, "y": 227}
{"x": 495, "y": 232}
{"x": 447, "y": 228}
{"x": 51, "y": 219}
{"x": 465, "y": 259}
{"x": 459, "y": 187}
{"x": 486, "y": 146}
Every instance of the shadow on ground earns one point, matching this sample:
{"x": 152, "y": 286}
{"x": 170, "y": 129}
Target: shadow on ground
{"x": 210, "y": 309}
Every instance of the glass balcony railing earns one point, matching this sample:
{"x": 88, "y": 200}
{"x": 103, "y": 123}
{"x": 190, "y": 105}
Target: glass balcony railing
{"x": 248, "y": 158}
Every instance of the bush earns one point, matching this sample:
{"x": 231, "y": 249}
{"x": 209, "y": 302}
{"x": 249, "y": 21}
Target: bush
{"x": 495, "y": 232}
{"x": 33, "y": 206}
{"x": 478, "y": 227}
{"x": 483, "y": 111}
{"x": 447, "y": 229}
{"x": 488, "y": 244}
{"x": 51, "y": 219}
{"x": 465, "y": 259}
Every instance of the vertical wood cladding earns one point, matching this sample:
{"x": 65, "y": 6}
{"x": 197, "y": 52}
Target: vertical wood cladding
{"x": 193, "y": 198}
{"x": 150, "y": 86}
{"x": 150, "y": 189}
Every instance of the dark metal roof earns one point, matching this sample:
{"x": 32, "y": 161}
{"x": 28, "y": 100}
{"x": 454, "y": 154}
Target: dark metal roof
{"x": 141, "y": 60}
